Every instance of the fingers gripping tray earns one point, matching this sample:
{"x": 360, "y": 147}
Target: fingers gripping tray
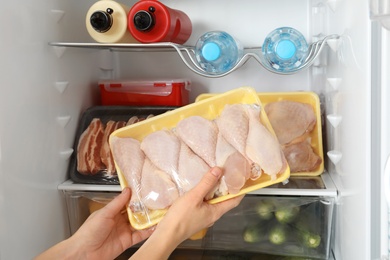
{"x": 164, "y": 157}
{"x": 285, "y": 111}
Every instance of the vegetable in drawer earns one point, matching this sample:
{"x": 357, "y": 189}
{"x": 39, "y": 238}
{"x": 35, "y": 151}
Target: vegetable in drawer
{"x": 278, "y": 234}
{"x": 287, "y": 214}
{"x": 265, "y": 209}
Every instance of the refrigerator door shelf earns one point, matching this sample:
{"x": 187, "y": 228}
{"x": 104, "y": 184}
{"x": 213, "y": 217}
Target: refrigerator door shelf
{"x": 187, "y": 54}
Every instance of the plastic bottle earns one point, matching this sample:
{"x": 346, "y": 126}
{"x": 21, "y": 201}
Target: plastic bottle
{"x": 151, "y": 21}
{"x": 285, "y": 49}
{"x": 218, "y": 52}
{"x": 106, "y": 22}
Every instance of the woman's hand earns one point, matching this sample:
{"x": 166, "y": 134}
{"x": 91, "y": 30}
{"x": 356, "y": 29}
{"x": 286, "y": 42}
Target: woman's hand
{"x": 104, "y": 235}
{"x": 188, "y": 215}
{"x": 107, "y": 232}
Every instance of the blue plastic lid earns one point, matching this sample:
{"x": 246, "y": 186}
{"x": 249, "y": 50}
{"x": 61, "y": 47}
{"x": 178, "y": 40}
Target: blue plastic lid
{"x": 286, "y": 49}
{"x": 211, "y": 51}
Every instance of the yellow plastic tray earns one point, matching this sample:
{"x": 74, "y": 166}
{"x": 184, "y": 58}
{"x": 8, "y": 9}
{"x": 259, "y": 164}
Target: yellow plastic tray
{"x": 310, "y": 98}
{"x": 209, "y": 108}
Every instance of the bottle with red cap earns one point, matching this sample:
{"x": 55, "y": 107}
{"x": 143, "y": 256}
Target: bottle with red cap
{"x": 150, "y": 21}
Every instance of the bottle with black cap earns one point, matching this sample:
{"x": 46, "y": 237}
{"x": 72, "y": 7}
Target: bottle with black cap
{"x": 106, "y": 22}
{"x": 151, "y": 21}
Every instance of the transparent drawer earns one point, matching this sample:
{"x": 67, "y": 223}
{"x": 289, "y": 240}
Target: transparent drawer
{"x": 81, "y": 204}
{"x": 289, "y": 226}
{"x": 261, "y": 225}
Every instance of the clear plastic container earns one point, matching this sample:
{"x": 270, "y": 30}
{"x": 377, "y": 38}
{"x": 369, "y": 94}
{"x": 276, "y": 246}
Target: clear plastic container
{"x": 218, "y": 52}
{"x": 285, "y": 49}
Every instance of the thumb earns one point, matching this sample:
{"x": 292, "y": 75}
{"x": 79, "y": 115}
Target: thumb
{"x": 208, "y": 182}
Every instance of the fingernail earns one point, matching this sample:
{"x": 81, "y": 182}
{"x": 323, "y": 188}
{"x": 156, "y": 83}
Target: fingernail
{"x": 125, "y": 190}
{"x": 216, "y": 171}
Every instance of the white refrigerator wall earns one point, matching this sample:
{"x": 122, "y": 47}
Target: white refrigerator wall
{"x": 45, "y": 90}
{"x": 385, "y": 136}
{"x": 42, "y": 96}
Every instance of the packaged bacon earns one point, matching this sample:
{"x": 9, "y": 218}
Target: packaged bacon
{"x": 92, "y": 161}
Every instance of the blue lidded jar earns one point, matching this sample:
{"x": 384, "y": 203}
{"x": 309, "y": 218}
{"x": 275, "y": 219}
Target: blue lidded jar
{"x": 217, "y": 52}
{"x": 285, "y": 49}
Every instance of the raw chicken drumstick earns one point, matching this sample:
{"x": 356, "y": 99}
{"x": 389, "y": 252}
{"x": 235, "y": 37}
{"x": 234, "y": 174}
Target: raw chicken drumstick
{"x": 191, "y": 168}
{"x": 233, "y": 123}
{"x": 262, "y": 147}
{"x": 158, "y": 191}
{"x": 130, "y": 160}
{"x": 237, "y": 169}
{"x": 162, "y": 148}
{"x": 200, "y": 135}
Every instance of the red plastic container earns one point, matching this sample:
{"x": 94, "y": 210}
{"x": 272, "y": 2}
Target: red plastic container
{"x": 145, "y": 92}
{"x": 151, "y": 21}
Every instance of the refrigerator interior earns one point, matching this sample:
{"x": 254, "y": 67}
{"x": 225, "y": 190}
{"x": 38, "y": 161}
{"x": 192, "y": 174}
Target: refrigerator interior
{"x": 46, "y": 88}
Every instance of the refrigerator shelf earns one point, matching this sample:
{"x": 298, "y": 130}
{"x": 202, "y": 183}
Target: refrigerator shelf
{"x": 321, "y": 186}
{"x": 187, "y": 54}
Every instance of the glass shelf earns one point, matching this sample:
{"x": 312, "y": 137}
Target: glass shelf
{"x": 297, "y": 186}
{"x": 187, "y": 54}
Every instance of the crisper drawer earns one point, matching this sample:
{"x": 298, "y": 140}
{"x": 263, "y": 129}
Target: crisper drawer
{"x": 260, "y": 226}
{"x": 290, "y": 226}
{"x": 81, "y": 204}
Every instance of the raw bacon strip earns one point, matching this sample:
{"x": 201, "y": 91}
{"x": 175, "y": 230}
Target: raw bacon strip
{"x": 120, "y": 124}
{"x": 88, "y": 149}
{"x": 105, "y": 152}
{"x": 132, "y": 120}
